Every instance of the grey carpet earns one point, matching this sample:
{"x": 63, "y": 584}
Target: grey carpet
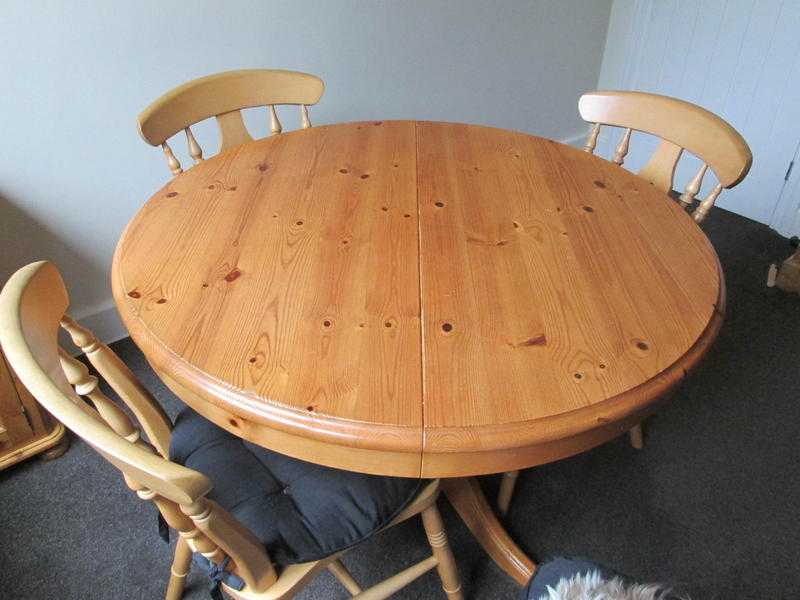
{"x": 709, "y": 504}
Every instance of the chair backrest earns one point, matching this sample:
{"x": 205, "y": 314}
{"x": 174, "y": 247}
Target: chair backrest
{"x": 32, "y": 308}
{"x": 223, "y": 96}
{"x": 681, "y": 126}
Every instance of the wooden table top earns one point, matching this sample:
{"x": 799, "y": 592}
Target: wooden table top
{"x": 411, "y": 298}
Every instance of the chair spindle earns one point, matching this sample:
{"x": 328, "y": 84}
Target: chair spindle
{"x": 304, "y": 120}
{"x": 148, "y": 412}
{"x": 691, "y": 189}
{"x": 172, "y": 162}
{"x": 622, "y": 148}
{"x": 195, "y": 151}
{"x": 707, "y": 204}
{"x": 274, "y": 122}
{"x": 591, "y": 141}
{"x": 87, "y": 385}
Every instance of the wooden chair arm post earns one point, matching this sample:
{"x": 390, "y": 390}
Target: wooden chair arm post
{"x": 251, "y": 561}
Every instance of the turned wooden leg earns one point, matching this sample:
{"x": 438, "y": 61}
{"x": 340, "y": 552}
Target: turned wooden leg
{"x": 446, "y": 563}
{"x": 467, "y": 498}
{"x": 506, "y": 491}
{"x": 179, "y": 571}
{"x": 637, "y": 437}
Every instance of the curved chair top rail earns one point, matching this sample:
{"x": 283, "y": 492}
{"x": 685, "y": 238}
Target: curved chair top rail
{"x": 32, "y": 306}
{"x": 222, "y": 93}
{"x": 682, "y": 123}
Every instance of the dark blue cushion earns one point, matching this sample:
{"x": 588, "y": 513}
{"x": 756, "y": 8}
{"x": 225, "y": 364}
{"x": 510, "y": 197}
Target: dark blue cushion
{"x": 300, "y": 511}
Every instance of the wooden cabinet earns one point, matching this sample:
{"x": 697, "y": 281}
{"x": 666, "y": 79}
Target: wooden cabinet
{"x": 25, "y": 428}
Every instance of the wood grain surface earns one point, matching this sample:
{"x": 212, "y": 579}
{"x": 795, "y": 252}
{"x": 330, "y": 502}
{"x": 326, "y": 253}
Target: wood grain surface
{"x": 413, "y": 298}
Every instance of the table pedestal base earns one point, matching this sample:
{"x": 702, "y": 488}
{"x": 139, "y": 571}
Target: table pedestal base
{"x": 467, "y": 498}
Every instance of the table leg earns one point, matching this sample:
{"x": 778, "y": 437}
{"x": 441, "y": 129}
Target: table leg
{"x": 467, "y": 498}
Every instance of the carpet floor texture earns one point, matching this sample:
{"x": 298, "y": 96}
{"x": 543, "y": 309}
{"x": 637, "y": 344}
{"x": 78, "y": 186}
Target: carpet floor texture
{"x": 709, "y": 505}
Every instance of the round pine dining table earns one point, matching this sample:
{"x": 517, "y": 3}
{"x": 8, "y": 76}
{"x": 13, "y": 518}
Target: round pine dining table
{"x": 419, "y": 299}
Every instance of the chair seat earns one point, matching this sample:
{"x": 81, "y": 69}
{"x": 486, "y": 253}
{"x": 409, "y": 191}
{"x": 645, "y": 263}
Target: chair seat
{"x": 299, "y": 511}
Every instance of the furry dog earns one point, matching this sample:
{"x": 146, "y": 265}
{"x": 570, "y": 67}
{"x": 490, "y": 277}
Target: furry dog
{"x": 593, "y": 586}
{"x": 577, "y": 579}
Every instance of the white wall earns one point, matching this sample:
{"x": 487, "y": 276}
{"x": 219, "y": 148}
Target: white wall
{"x": 737, "y": 58}
{"x": 73, "y": 170}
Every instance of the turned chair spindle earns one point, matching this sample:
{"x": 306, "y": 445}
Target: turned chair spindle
{"x": 275, "y": 126}
{"x": 195, "y": 151}
{"x": 223, "y": 96}
{"x": 621, "y": 150}
{"x": 172, "y": 162}
{"x": 591, "y": 141}
{"x": 693, "y": 187}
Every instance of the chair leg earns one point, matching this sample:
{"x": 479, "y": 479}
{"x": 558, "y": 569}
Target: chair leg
{"x": 506, "y": 491}
{"x": 180, "y": 568}
{"x": 446, "y": 563}
{"x": 637, "y": 437}
{"x": 345, "y": 578}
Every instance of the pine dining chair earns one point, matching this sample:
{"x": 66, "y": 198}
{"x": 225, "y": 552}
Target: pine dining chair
{"x": 680, "y": 126}
{"x": 260, "y": 524}
{"x": 223, "y": 96}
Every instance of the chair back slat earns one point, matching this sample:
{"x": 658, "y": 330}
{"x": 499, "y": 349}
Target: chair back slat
{"x": 681, "y": 126}
{"x": 232, "y": 130}
{"x": 224, "y": 95}
{"x": 151, "y": 416}
{"x": 660, "y": 168}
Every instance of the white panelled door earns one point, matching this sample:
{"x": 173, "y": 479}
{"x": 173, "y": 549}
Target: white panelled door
{"x": 739, "y": 59}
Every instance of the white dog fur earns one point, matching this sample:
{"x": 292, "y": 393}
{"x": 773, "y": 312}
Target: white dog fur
{"x": 592, "y": 586}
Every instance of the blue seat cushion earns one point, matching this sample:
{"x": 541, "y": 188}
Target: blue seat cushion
{"x": 300, "y": 511}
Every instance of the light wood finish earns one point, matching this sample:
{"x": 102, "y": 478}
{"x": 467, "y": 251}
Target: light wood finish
{"x": 625, "y": 287}
{"x": 445, "y": 562}
{"x": 32, "y": 307}
{"x": 223, "y": 96}
{"x": 788, "y": 275}
{"x": 25, "y": 429}
{"x": 467, "y": 498}
{"x": 341, "y": 573}
{"x": 148, "y": 412}
{"x": 336, "y": 218}
{"x": 637, "y": 436}
{"x": 680, "y": 125}
{"x": 179, "y": 570}
{"x": 416, "y": 298}
{"x": 507, "y": 484}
